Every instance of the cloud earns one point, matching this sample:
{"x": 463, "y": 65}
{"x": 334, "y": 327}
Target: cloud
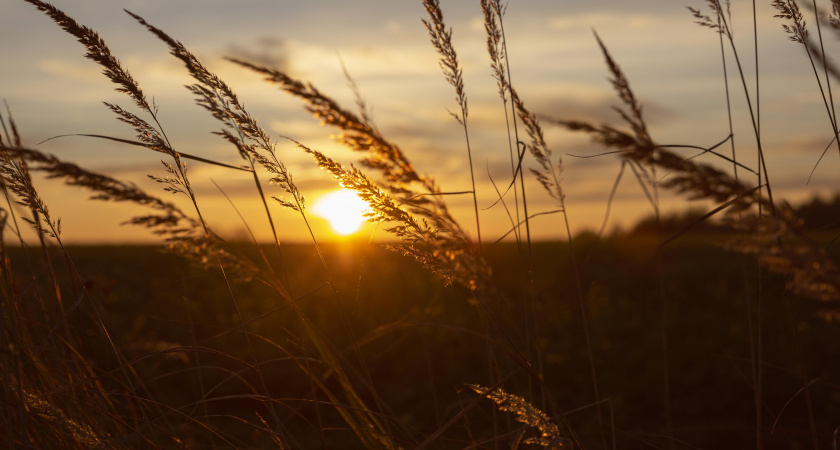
{"x": 78, "y": 69}
{"x": 266, "y": 50}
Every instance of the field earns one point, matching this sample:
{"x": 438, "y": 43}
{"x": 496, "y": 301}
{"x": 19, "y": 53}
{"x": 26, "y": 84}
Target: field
{"x": 419, "y": 342}
{"x": 710, "y": 329}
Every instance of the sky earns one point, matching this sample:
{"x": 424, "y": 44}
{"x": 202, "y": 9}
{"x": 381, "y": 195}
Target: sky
{"x": 674, "y": 67}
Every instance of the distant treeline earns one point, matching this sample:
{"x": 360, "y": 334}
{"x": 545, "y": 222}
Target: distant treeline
{"x": 817, "y": 214}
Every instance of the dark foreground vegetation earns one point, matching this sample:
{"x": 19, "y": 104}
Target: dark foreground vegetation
{"x": 175, "y": 328}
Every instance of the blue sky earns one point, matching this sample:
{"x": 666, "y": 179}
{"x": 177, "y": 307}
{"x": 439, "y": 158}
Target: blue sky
{"x": 673, "y": 65}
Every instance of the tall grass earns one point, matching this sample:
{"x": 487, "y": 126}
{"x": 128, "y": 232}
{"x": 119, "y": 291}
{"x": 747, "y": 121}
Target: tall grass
{"x": 306, "y": 370}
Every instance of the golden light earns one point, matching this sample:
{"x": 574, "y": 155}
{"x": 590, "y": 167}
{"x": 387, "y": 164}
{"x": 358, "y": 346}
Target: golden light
{"x": 343, "y": 209}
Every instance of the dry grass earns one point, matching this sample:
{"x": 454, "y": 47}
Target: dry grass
{"x": 55, "y": 396}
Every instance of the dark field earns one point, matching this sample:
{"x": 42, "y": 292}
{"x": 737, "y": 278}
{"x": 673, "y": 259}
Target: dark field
{"x": 419, "y": 344}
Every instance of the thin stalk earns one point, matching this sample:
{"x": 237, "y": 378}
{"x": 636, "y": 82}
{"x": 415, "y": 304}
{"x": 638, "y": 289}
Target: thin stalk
{"x": 754, "y": 329}
{"x": 833, "y": 112}
{"x": 472, "y": 181}
{"x": 283, "y": 268}
{"x": 757, "y": 78}
{"x": 754, "y": 112}
{"x": 493, "y": 13}
{"x": 760, "y": 338}
{"x": 531, "y": 292}
{"x": 513, "y": 165}
{"x": 583, "y": 316}
{"x": 832, "y": 115}
{"x": 519, "y": 155}
{"x": 663, "y": 315}
{"x": 8, "y": 322}
{"x": 828, "y": 102}
{"x": 48, "y": 262}
{"x": 759, "y": 438}
{"x": 747, "y": 295}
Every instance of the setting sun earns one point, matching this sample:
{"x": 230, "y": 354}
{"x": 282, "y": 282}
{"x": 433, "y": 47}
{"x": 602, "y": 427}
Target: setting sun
{"x": 343, "y": 209}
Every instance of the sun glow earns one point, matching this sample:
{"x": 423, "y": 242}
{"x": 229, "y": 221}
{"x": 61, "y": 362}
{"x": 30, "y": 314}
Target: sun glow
{"x": 343, "y": 209}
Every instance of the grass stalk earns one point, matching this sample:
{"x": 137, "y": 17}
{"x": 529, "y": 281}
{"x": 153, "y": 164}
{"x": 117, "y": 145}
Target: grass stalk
{"x": 441, "y": 38}
{"x": 529, "y": 257}
{"x": 759, "y": 362}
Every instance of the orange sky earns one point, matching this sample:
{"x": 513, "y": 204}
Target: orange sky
{"x": 673, "y": 65}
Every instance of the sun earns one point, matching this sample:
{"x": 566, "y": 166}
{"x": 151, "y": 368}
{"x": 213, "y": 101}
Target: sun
{"x": 343, "y": 209}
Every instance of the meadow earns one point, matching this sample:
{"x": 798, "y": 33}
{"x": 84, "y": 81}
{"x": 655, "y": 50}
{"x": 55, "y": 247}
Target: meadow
{"x": 711, "y": 329}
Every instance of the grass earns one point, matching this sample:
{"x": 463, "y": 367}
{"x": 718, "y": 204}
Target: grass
{"x": 437, "y": 340}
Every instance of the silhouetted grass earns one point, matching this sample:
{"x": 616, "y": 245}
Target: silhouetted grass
{"x": 664, "y": 337}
